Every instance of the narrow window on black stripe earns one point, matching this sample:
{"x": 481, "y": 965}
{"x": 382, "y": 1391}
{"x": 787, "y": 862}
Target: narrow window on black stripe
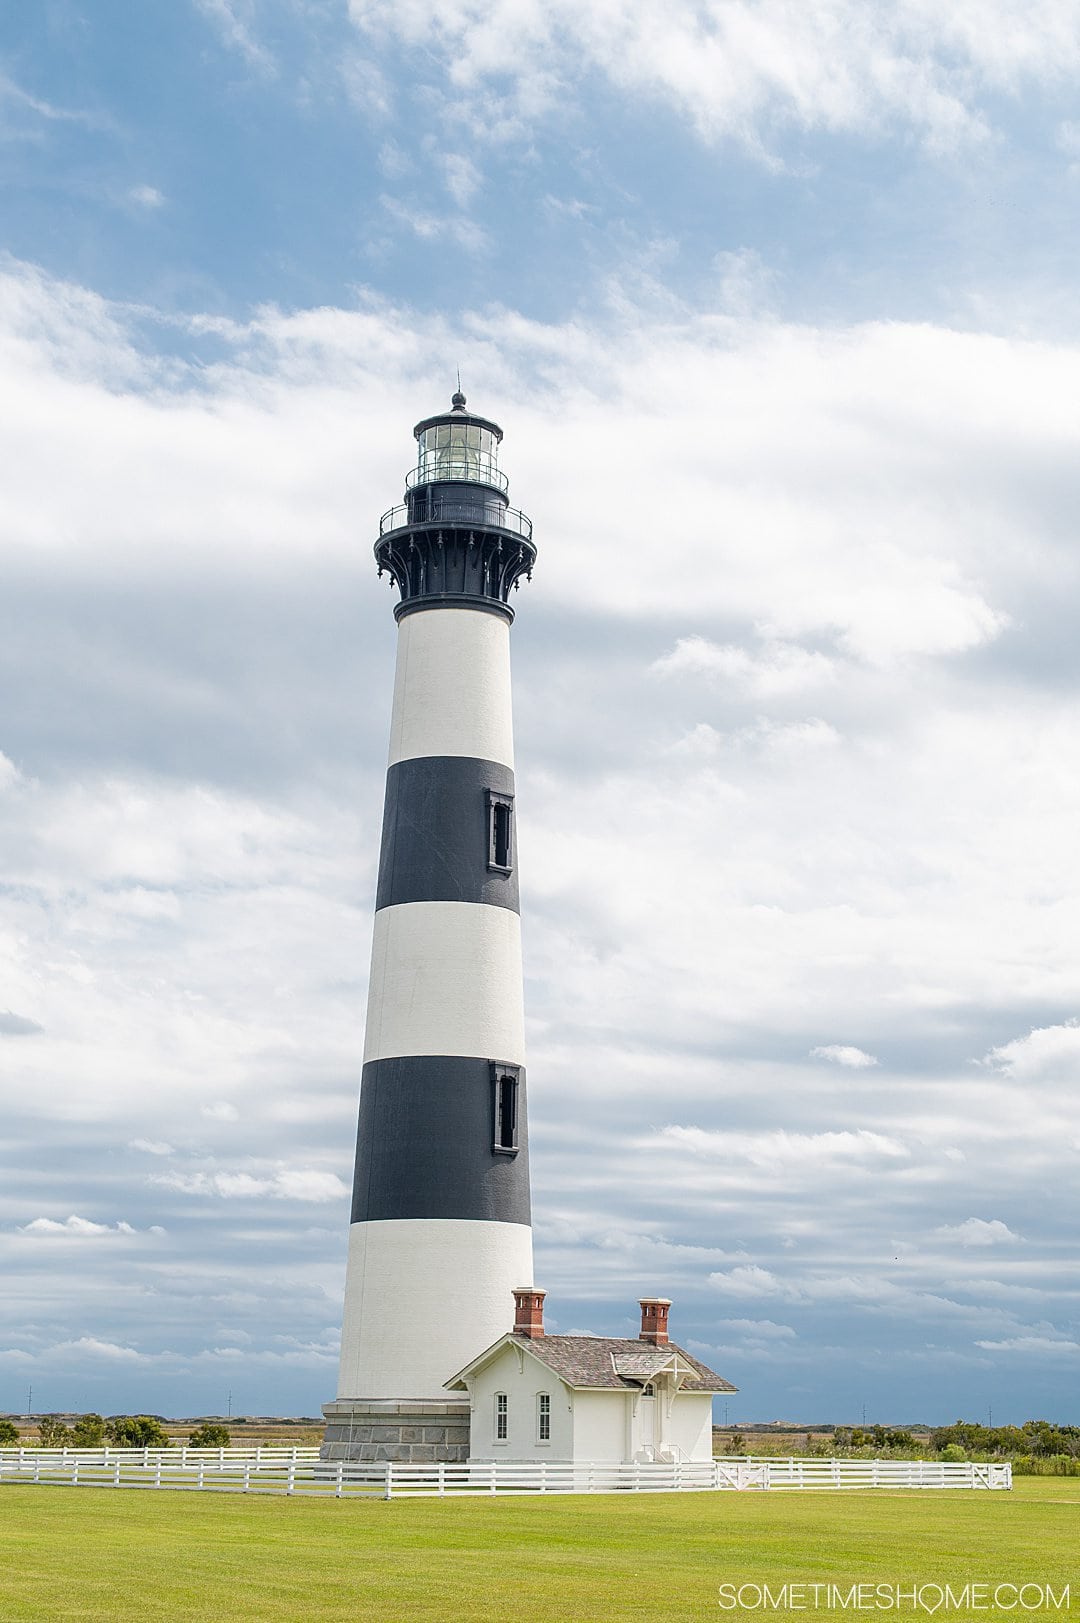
{"x": 500, "y": 832}
{"x": 505, "y": 1079}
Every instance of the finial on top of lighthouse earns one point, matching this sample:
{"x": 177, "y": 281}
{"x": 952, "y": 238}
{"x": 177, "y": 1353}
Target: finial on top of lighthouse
{"x": 457, "y": 400}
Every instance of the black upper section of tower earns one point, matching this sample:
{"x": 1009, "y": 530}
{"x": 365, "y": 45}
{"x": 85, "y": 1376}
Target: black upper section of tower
{"x": 456, "y": 539}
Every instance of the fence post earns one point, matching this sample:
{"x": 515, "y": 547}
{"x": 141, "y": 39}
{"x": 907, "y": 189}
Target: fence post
{"x": 292, "y": 1477}
{"x": 340, "y": 1477}
{"x": 442, "y": 1481}
{"x": 116, "y": 1477}
{"x": 157, "y": 1473}
{"x": 389, "y": 1491}
{"x": 201, "y": 1470}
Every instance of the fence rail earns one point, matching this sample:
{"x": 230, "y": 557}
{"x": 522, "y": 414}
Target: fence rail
{"x": 299, "y": 1471}
{"x": 178, "y": 1453}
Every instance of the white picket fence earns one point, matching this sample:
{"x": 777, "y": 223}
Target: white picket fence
{"x": 800, "y": 1472}
{"x": 178, "y": 1454}
{"x": 297, "y": 1471}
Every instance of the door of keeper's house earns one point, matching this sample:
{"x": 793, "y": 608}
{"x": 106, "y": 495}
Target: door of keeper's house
{"x": 647, "y": 1414}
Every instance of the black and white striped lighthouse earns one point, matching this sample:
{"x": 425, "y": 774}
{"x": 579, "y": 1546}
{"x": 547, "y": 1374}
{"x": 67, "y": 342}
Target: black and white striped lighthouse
{"x": 440, "y": 1231}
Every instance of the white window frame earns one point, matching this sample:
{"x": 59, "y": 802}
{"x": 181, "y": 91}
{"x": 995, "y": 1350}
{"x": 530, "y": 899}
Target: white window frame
{"x": 502, "y": 1417}
{"x": 543, "y": 1418}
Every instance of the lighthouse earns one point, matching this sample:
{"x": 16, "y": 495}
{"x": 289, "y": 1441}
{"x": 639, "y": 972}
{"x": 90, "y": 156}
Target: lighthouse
{"x": 440, "y": 1229}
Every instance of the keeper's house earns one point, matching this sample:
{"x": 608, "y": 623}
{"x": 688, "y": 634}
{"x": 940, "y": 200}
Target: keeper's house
{"x": 588, "y": 1399}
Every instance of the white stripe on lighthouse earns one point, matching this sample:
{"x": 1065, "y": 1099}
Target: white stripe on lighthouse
{"x": 452, "y": 686}
{"x": 446, "y": 978}
{"x": 425, "y": 1296}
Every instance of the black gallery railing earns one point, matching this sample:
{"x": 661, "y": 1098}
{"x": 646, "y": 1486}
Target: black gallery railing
{"x": 492, "y": 516}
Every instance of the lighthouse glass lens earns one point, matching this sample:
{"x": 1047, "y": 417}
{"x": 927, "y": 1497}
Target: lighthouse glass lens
{"x": 459, "y": 451}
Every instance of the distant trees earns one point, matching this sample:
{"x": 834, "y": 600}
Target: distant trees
{"x": 9, "y": 1434}
{"x": 91, "y": 1431}
{"x": 210, "y": 1435}
{"x": 88, "y": 1431}
{"x": 1039, "y": 1438}
{"x": 136, "y": 1431}
{"x": 52, "y": 1432}
{"x": 875, "y": 1437}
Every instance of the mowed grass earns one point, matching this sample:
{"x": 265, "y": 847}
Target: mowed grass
{"x": 96, "y": 1553}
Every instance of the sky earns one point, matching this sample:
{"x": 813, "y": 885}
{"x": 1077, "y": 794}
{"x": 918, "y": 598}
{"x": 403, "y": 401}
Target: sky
{"x": 776, "y": 303}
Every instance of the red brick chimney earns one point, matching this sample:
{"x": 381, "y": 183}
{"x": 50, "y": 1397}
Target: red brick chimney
{"x": 528, "y": 1311}
{"x": 654, "y": 1312}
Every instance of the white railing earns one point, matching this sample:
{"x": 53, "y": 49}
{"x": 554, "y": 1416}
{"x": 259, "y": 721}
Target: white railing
{"x": 300, "y": 1471}
{"x": 179, "y": 1453}
{"x": 802, "y": 1472}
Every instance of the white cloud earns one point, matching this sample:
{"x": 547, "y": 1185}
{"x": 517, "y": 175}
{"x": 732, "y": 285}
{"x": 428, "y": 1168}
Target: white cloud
{"x": 222, "y": 1110}
{"x": 12, "y": 92}
{"x": 82, "y": 1227}
{"x": 301, "y": 1184}
{"x": 1046, "y": 1054}
{"x": 852, "y": 1059}
{"x": 782, "y": 1149}
{"x": 779, "y": 668}
{"x": 18, "y": 1025}
{"x": 465, "y": 233}
{"x": 752, "y": 1281}
{"x": 747, "y": 69}
{"x": 91, "y": 1347}
{"x": 234, "y": 20}
{"x": 1034, "y": 1346}
{"x": 462, "y": 177}
{"x": 150, "y": 1146}
{"x": 146, "y": 197}
{"x": 757, "y": 1329}
{"x": 979, "y": 1231}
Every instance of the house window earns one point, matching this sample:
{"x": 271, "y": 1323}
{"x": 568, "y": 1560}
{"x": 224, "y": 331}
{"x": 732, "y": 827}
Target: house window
{"x": 647, "y": 1390}
{"x": 543, "y": 1417}
{"x": 502, "y": 1417}
{"x": 506, "y": 1079}
{"x": 500, "y": 832}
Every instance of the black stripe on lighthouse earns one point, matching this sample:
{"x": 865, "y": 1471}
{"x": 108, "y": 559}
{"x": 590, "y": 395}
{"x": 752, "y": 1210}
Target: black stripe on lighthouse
{"x": 436, "y": 835}
{"x": 425, "y": 1143}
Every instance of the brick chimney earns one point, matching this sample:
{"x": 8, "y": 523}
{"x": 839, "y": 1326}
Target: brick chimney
{"x": 528, "y": 1311}
{"x": 654, "y": 1312}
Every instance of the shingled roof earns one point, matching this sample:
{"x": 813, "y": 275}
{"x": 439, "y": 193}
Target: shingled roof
{"x": 612, "y": 1362}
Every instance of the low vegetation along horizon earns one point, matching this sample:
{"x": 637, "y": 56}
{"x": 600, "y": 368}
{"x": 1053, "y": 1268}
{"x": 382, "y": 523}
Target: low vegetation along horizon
{"x": 92, "y": 1555}
{"x": 1037, "y": 1448}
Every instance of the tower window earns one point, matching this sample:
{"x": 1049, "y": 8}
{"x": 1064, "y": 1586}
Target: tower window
{"x": 502, "y": 1417}
{"x": 506, "y": 1079}
{"x": 500, "y": 832}
{"x": 543, "y": 1417}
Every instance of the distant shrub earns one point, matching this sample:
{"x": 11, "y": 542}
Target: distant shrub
{"x": 136, "y": 1431}
{"x": 9, "y": 1433}
{"x": 1035, "y": 1437}
{"x": 88, "y": 1431}
{"x": 1045, "y": 1465}
{"x": 210, "y": 1436}
{"x": 953, "y": 1454}
{"x": 52, "y": 1432}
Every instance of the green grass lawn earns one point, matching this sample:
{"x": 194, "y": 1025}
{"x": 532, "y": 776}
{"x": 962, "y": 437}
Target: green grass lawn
{"x": 96, "y": 1553}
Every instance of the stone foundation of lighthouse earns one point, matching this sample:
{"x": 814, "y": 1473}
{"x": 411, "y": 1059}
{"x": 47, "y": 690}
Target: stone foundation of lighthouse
{"x": 440, "y": 1232}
